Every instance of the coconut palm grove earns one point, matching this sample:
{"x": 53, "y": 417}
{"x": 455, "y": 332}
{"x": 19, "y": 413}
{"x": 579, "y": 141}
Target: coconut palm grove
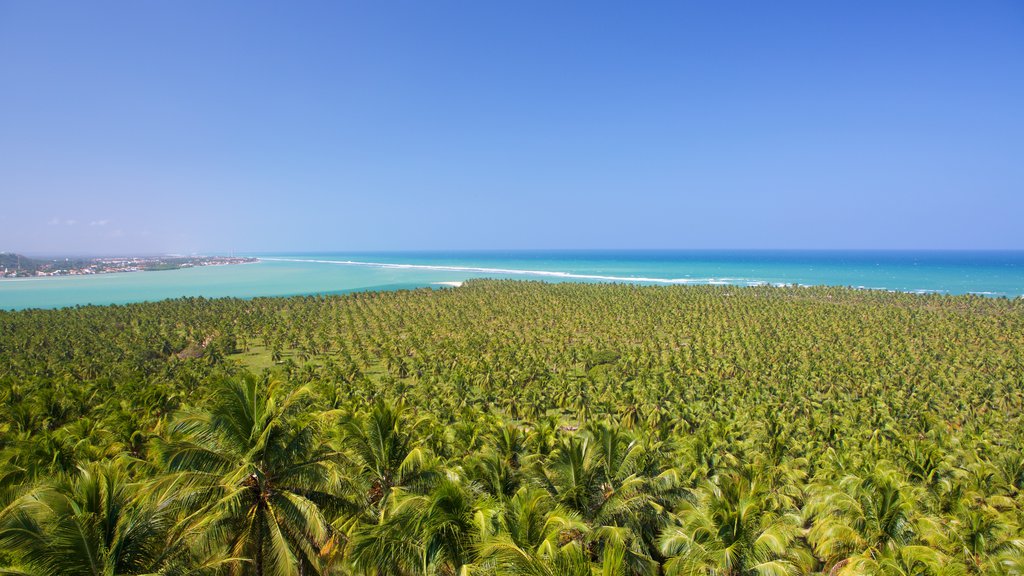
{"x": 513, "y": 427}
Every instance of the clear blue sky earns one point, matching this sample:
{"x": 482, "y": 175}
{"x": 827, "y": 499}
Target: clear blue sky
{"x": 211, "y": 126}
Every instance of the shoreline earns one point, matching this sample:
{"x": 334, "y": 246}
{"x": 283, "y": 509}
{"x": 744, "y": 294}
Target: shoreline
{"x": 191, "y": 262}
{"x": 448, "y": 285}
{"x": 316, "y": 274}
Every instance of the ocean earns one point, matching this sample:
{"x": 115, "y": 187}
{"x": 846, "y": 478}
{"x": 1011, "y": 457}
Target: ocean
{"x": 988, "y": 273}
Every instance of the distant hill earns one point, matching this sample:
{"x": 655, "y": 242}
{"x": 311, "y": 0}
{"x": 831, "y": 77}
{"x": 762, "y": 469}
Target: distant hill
{"x": 19, "y": 262}
{"x": 19, "y": 266}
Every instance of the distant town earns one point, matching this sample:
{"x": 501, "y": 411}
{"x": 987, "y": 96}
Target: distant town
{"x": 19, "y": 266}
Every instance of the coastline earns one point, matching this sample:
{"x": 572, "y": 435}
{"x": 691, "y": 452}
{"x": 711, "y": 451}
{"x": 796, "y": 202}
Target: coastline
{"x": 986, "y": 275}
{"x": 116, "y": 265}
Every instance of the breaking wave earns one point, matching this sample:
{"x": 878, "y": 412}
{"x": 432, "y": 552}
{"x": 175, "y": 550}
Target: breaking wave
{"x": 521, "y": 272}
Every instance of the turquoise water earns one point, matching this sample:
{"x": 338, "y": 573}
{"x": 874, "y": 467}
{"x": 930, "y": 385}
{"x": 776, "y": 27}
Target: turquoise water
{"x": 987, "y": 273}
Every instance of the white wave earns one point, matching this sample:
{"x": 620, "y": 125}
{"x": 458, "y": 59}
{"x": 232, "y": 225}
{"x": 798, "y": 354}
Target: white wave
{"x": 453, "y": 284}
{"x": 728, "y": 281}
{"x": 519, "y": 272}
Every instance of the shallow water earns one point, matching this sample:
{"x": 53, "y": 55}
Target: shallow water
{"x": 987, "y": 273}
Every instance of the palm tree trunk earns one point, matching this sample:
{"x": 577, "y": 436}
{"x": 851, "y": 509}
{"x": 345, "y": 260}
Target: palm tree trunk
{"x": 259, "y": 550}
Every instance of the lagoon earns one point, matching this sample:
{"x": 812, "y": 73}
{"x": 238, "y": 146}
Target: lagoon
{"x": 987, "y": 273}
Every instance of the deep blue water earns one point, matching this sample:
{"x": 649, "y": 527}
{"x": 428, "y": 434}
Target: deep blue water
{"x": 989, "y": 273}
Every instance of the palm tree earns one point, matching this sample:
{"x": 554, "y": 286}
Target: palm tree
{"x": 572, "y": 475}
{"x": 981, "y": 534}
{"x": 255, "y": 474}
{"x": 903, "y": 561}
{"x": 383, "y": 448}
{"x": 449, "y": 527}
{"x": 508, "y": 559}
{"x": 594, "y": 474}
{"x": 418, "y": 534}
{"x": 97, "y": 523}
{"x": 498, "y": 466}
{"x": 864, "y": 516}
{"x": 393, "y": 545}
{"x": 729, "y": 531}
{"x": 1011, "y": 561}
{"x": 533, "y": 535}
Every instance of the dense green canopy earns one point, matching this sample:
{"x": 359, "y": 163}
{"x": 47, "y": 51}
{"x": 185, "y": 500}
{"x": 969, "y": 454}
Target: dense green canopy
{"x": 517, "y": 428}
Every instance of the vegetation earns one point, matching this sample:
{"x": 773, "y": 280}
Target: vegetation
{"x": 517, "y": 428}
{"x": 18, "y": 266}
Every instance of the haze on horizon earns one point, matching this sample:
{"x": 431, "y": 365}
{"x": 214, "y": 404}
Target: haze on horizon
{"x": 130, "y": 127}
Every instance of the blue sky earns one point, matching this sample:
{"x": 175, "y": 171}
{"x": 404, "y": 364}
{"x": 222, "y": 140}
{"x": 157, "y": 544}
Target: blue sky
{"x": 201, "y": 126}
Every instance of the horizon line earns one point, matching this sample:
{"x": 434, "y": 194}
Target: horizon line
{"x": 151, "y": 254}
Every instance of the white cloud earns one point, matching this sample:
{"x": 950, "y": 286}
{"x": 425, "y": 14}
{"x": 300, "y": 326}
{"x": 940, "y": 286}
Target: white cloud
{"x": 99, "y": 222}
{"x": 54, "y": 221}
{"x": 71, "y": 222}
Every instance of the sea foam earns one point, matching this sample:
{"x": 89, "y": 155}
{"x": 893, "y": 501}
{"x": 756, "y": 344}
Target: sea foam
{"x": 522, "y": 272}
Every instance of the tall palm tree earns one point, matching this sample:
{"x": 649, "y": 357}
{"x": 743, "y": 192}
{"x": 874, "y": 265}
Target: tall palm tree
{"x": 981, "y": 534}
{"x": 573, "y": 475}
{"x": 97, "y": 523}
{"x": 423, "y": 533}
{"x": 255, "y": 474}
{"x": 903, "y": 561}
{"x": 384, "y": 449}
{"x": 533, "y": 535}
{"x": 1011, "y": 561}
{"x": 449, "y": 526}
{"x": 594, "y": 474}
{"x": 865, "y": 516}
{"x": 498, "y": 466}
{"x": 393, "y": 545}
{"x": 729, "y": 531}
